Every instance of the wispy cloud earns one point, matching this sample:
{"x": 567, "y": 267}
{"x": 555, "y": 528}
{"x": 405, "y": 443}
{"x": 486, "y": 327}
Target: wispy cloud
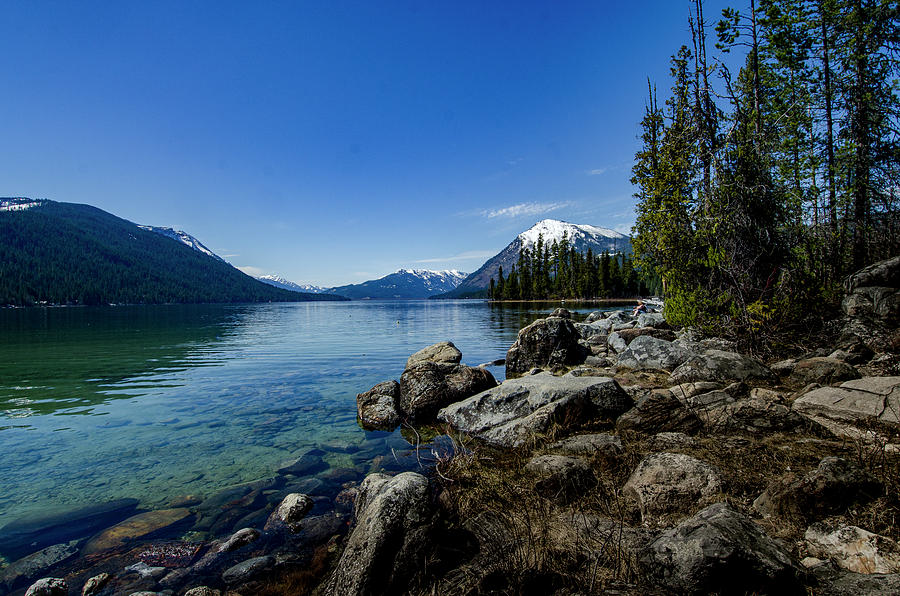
{"x": 470, "y": 255}
{"x": 597, "y": 171}
{"x": 523, "y": 209}
{"x": 252, "y": 271}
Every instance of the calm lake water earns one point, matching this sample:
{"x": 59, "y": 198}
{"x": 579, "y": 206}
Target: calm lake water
{"x": 154, "y": 402}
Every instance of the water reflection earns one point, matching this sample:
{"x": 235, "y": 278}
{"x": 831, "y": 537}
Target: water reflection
{"x": 57, "y": 359}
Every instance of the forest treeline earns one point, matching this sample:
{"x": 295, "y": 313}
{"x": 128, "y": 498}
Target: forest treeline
{"x": 758, "y": 191}
{"x": 61, "y": 253}
{"x": 559, "y": 271}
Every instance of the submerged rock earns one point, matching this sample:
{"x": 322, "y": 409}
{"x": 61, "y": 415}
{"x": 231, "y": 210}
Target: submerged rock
{"x": 135, "y": 528}
{"x": 36, "y": 564}
{"x": 32, "y": 533}
{"x": 719, "y": 550}
{"x": 247, "y": 570}
{"x": 515, "y": 412}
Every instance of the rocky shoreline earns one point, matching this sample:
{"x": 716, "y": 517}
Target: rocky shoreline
{"x": 618, "y": 456}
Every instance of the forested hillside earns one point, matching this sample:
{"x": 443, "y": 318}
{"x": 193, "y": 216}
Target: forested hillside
{"x": 759, "y": 190}
{"x": 62, "y": 253}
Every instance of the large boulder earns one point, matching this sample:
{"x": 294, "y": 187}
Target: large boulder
{"x": 560, "y": 476}
{"x": 550, "y": 343}
{"x": 854, "y": 409}
{"x": 427, "y": 386}
{"x": 719, "y": 550}
{"x": 649, "y": 352}
{"x": 377, "y": 407}
{"x": 720, "y": 365}
{"x": 665, "y": 483}
{"x": 659, "y": 411}
{"x": 873, "y": 293}
{"x": 853, "y": 548}
{"x": 764, "y": 411}
{"x": 441, "y": 353}
{"x": 607, "y": 448}
{"x": 513, "y": 413}
{"x": 821, "y": 370}
{"x": 390, "y": 540}
{"x": 832, "y": 487}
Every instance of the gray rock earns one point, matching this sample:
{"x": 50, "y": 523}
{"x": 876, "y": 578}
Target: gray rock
{"x": 550, "y": 343}
{"x": 427, "y": 387}
{"x": 606, "y": 447}
{"x": 290, "y": 512}
{"x": 36, "y": 564}
{"x": 519, "y": 409}
{"x": 756, "y": 413}
{"x": 589, "y": 330}
{"x": 872, "y": 292}
{"x": 719, "y": 550}
{"x": 560, "y": 476}
{"x": 247, "y": 570}
{"x": 616, "y": 342}
{"x": 854, "y": 409}
{"x": 377, "y": 407}
{"x": 824, "y": 371}
{"x": 95, "y": 584}
{"x": 832, "y": 582}
{"x": 203, "y": 591}
{"x": 649, "y": 352}
{"x": 670, "y": 440}
{"x": 719, "y": 365}
{"x": 389, "y": 542}
{"x": 650, "y": 319}
{"x": 853, "y": 548}
{"x": 666, "y": 483}
{"x": 562, "y": 313}
{"x": 832, "y": 487}
{"x": 594, "y": 316}
{"x": 239, "y": 539}
{"x": 48, "y": 586}
{"x": 659, "y": 411}
{"x": 687, "y": 390}
{"x": 440, "y": 353}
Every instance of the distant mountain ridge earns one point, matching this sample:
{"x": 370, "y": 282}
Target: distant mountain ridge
{"x": 65, "y": 253}
{"x": 581, "y": 237}
{"x": 280, "y": 282}
{"x": 405, "y": 284}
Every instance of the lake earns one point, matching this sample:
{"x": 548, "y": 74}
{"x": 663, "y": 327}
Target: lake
{"x": 157, "y": 402}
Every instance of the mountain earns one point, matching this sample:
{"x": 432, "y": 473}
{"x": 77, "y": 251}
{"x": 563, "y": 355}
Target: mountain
{"x": 184, "y": 238}
{"x": 580, "y": 236}
{"x": 280, "y": 282}
{"x": 406, "y": 284}
{"x": 63, "y": 253}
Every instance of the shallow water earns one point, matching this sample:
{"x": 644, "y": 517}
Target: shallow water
{"x": 155, "y": 402}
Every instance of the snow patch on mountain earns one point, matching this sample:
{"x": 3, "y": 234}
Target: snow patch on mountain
{"x": 18, "y": 204}
{"x": 182, "y": 237}
{"x": 554, "y": 229}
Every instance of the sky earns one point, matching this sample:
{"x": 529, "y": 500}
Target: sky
{"x": 335, "y": 142}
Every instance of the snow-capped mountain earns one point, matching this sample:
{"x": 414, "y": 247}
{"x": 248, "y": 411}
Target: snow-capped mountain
{"x": 405, "y": 284}
{"x": 184, "y": 238}
{"x": 581, "y": 237}
{"x": 280, "y": 282}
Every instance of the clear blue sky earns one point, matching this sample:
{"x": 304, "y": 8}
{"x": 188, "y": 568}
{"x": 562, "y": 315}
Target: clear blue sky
{"x": 334, "y": 142}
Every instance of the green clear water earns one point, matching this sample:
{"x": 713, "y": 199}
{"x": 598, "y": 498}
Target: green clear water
{"x": 155, "y": 402}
